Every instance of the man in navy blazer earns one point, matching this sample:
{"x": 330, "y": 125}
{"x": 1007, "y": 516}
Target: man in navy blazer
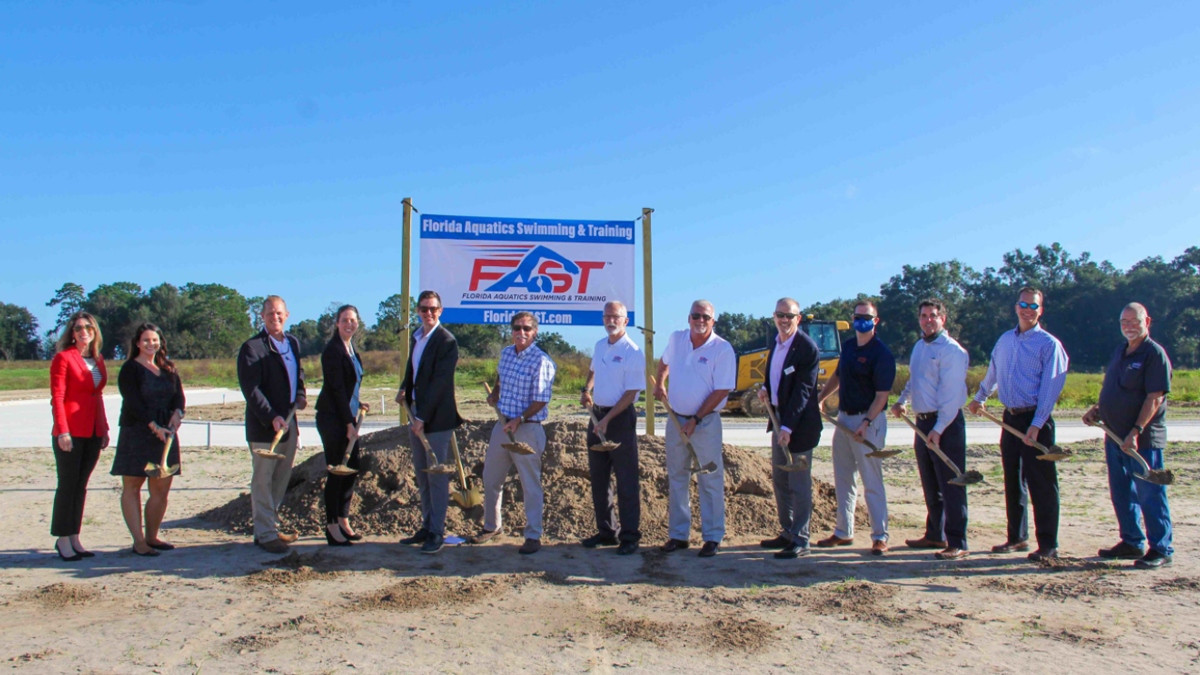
{"x": 793, "y": 363}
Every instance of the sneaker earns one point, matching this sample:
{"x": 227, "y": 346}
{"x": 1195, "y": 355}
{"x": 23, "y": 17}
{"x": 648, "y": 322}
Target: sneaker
{"x": 530, "y": 547}
{"x": 778, "y": 542}
{"x": 709, "y": 549}
{"x": 418, "y": 537}
{"x": 1152, "y": 561}
{"x": 599, "y": 540}
{"x": 1122, "y": 551}
{"x": 879, "y": 547}
{"x": 627, "y": 548}
{"x": 433, "y": 543}
{"x": 485, "y": 536}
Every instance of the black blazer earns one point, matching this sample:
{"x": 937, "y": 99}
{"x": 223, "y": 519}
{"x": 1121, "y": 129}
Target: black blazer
{"x": 338, "y": 380}
{"x": 435, "y": 380}
{"x": 134, "y": 410}
{"x": 798, "y": 392}
{"x": 264, "y": 381}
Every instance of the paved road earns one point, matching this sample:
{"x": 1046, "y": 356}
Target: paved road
{"x": 27, "y": 424}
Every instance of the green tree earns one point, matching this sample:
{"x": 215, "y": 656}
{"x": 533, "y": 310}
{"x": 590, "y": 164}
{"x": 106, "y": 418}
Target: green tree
{"x": 18, "y": 333}
{"x": 213, "y": 323}
{"x": 554, "y": 345}
{"x": 69, "y": 299}
{"x": 115, "y": 307}
{"x": 901, "y": 296}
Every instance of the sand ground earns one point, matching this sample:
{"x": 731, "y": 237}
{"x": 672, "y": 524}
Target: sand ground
{"x": 219, "y": 605}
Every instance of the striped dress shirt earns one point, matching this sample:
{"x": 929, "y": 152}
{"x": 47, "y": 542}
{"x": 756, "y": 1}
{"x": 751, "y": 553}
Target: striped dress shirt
{"x": 1029, "y": 369}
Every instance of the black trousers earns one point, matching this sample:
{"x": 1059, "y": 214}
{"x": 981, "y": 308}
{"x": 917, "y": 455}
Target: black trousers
{"x": 945, "y": 504}
{"x": 1026, "y": 479}
{"x": 338, "y": 489}
{"x": 624, "y": 462}
{"x": 74, "y": 470}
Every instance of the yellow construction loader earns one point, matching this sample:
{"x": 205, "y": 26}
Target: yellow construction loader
{"x": 752, "y": 364}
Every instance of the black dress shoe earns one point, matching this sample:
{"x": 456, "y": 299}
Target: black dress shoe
{"x": 352, "y": 537}
{"x": 418, "y": 537}
{"x": 85, "y": 554}
{"x": 709, "y": 549}
{"x": 1122, "y": 551}
{"x": 433, "y": 543}
{"x": 627, "y": 548}
{"x": 673, "y": 545}
{"x": 164, "y": 546}
{"x": 1043, "y": 554}
{"x": 599, "y": 540}
{"x": 1152, "y": 561}
{"x": 793, "y": 550}
{"x": 530, "y": 546}
{"x": 778, "y": 542}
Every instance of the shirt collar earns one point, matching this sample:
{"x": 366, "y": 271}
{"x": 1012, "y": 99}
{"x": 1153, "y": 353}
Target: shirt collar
{"x": 1037, "y": 328}
{"x": 788, "y": 343}
{"x": 623, "y": 340}
{"x": 425, "y": 334}
{"x": 712, "y": 336}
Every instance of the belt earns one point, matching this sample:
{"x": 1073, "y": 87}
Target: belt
{"x": 1021, "y": 411}
{"x": 927, "y": 416}
{"x": 857, "y": 412}
{"x": 601, "y": 410}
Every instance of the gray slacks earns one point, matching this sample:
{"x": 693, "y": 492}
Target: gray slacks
{"x": 496, "y": 465}
{"x": 433, "y": 488}
{"x": 793, "y": 493}
{"x": 710, "y": 488}
{"x": 268, "y": 485}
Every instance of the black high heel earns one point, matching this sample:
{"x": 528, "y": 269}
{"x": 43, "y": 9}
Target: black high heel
{"x": 349, "y": 537}
{"x": 334, "y": 542}
{"x": 67, "y": 558}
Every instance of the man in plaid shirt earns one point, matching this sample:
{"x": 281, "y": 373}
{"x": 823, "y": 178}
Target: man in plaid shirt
{"x": 526, "y": 376}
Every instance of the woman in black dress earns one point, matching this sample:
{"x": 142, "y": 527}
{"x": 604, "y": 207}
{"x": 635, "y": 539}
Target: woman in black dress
{"x": 152, "y": 408}
{"x": 337, "y": 408}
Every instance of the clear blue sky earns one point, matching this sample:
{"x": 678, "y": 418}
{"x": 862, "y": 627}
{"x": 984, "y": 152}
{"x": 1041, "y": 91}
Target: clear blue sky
{"x": 807, "y": 149}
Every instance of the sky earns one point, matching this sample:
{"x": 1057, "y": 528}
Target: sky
{"x": 800, "y": 148}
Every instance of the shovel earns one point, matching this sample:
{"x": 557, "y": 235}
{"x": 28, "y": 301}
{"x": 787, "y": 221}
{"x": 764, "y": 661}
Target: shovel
{"x": 875, "y": 452}
{"x": 161, "y": 470}
{"x": 695, "y": 468}
{"x": 465, "y": 497}
{"x": 794, "y": 463}
{"x": 1156, "y": 476}
{"x": 604, "y": 445}
{"x": 270, "y": 453}
{"x": 960, "y": 477}
{"x": 512, "y": 445}
{"x": 342, "y": 469}
{"x": 1051, "y": 454}
{"x": 434, "y": 467}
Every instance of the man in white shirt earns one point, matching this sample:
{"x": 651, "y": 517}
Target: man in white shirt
{"x": 702, "y": 369}
{"x": 618, "y": 375}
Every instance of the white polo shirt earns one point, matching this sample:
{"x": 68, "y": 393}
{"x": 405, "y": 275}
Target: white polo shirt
{"x": 697, "y": 373}
{"x": 619, "y": 367}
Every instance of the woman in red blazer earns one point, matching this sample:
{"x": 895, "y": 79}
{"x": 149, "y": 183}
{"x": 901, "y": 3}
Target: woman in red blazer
{"x": 77, "y": 379}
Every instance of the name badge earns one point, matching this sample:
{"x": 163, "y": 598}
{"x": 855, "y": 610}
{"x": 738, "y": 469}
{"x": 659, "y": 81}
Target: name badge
{"x": 789, "y": 370}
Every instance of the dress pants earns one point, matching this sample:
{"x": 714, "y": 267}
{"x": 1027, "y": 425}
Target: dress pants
{"x": 338, "y": 489}
{"x": 1027, "y": 478}
{"x": 624, "y": 462}
{"x": 496, "y": 465}
{"x": 945, "y": 504}
{"x": 793, "y": 493}
{"x": 710, "y": 488}
{"x": 269, "y": 483}
{"x": 1135, "y": 499}
{"x": 849, "y": 460}
{"x": 74, "y": 470}
{"x": 433, "y": 488}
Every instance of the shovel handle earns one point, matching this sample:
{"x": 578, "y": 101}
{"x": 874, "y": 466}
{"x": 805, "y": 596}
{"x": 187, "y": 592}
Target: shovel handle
{"x": 499, "y": 415}
{"x": 420, "y": 435}
{"x": 596, "y": 426}
{"x": 1121, "y": 445}
{"x": 287, "y": 424}
{"x": 834, "y": 421}
{"x": 462, "y": 475}
{"x": 1012, "y": 430}
{"x": 932, "y": 446}
{"x": 678, "y": 427}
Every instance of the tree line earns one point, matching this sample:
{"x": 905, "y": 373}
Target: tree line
{"x": 1083, "y": 298}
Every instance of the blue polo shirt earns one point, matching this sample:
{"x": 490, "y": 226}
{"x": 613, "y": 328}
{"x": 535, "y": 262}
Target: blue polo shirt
{"x": 1126, "y": 382}
{"x": 862, "y": 371}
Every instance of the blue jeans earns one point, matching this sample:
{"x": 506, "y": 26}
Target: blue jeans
{"x": 1134, "y": 497}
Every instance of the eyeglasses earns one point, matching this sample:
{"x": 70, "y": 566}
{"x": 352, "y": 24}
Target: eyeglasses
{"x": 80, "y": 329}
{"x": 613, "y": 316}
{"x": 1028, "y": 305}
{"x": 426, "y": 309}
{"x": 864, "y": 317}
{"x": 785, "y": 315}
{"x": 522, "y": 329}
{"x": 696, "y": 316}
{"x": 1132, "y": 324}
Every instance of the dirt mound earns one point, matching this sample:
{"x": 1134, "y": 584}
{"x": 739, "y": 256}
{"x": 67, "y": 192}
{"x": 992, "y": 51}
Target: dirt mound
{"x": 386, "y": 501}
{"x": 425, "y": 592}
{"x": 737, "y": 634}
{"x": 57, "y": 596}
{"x": 1071, "y": 586}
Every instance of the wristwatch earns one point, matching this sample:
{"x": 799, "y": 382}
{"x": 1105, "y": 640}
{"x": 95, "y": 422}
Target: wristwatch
{"x": 1139, "y": 428}
{"x": 583, "y": 390}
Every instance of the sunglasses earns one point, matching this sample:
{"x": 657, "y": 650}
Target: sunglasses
{"x": 785, "y": 315}
{"x": 80, "y": 329}
{"x": 1028, "y": 305}
{"x": 522, "y": 329}
{"x": 864, "y": 317}
{"x": 696, "y": 316}
{"x": 426, "y": 309}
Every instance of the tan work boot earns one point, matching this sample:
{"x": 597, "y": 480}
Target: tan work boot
{"x": 273, "y": 546}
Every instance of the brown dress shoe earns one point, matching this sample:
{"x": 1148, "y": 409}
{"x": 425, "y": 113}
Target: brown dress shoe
{"x": 273, "y": 546}
{"x": 834, "y": 540}
{"x": 924, "y": 542}
{"x": 1011, "y": 547}
{"x": 485, "y": 536}
{"x": 288, "y": 538}
{"x": 879, "y": 547}
{"x": 951, "y": 554}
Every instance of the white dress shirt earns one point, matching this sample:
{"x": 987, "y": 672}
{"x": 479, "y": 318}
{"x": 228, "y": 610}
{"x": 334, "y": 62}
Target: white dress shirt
{"x": 419, "y": 351}
{"x": 619, "y": 367}
{"x": 696, "y": 373}
{"x": 937, "y": 379}
{"x": 777, "y": 359}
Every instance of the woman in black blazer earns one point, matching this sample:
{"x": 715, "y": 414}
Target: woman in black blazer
{"x": 337, "y": 407}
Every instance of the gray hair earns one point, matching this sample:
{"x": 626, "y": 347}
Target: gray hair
{"x": 709, "y": 305}
{"x": 616, "y": 304}
{"x": 1137, "y": 308}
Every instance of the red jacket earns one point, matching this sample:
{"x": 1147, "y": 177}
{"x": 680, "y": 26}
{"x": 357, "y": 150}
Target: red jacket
{"x": 77, "y": 403}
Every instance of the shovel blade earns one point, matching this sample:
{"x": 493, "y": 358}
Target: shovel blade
{"x": 707, "y": 468}
{"x": 967, "y": 478}
{"x": 340, "y": 470}
{"x": 1158, "y": 477}
{"x": 519, "y": 448}
{"x": 604, "y": 447}
{"x": 883, "y": 454}
{"x": 1053, "y": 456}
{"x": 792, "y": 467}
{"x": 467, "y": 499}
{"x": 440, "y": 469}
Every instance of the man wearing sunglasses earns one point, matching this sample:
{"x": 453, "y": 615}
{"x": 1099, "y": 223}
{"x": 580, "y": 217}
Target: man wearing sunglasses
{"x": 863, "y": 380}
{"x": 1028, "y": 368}
{"x": 526, "y": 376}
{"x": 790, "y": 387}
{"x": 428, "y": 388}
{"x": 618, "y": 375}
{"x": 703, "y": 369}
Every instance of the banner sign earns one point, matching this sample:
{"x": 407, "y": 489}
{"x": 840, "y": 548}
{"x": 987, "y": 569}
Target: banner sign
{"x": 564, "y": 271}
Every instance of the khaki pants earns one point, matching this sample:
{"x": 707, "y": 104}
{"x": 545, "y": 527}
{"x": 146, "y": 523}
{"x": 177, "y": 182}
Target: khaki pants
{"x": 269, "y": 484}
{"x": 496, "y": 465}
{"x": 710, "y": 488}
{"x": 849, "y": 460}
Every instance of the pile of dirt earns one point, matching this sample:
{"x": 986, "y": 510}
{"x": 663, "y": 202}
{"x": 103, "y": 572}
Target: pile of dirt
{"x": 1072, "y": 586}
{"x": 387, "y": 503}
{"x": 57, "y": 596}
{"x": 425, "y": 592}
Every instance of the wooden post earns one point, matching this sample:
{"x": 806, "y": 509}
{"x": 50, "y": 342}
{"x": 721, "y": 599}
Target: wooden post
{"x": 648, "y": 320}
{"x": 405, "y": 267}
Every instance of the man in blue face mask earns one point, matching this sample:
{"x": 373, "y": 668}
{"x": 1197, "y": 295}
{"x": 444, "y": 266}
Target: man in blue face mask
{"x": 863, "y": 381}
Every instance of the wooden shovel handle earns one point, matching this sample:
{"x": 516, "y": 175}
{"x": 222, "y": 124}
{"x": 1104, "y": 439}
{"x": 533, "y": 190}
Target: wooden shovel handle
{"x": 1011, "y": 429}
{"x": 499, "y": 415}
{"x": 596, "y": 426}
{"x": 834, "y": 421}
{"x": 420, "y": 435}
{"x": 1121, "y": 445}
{"x": 932, "y": 446}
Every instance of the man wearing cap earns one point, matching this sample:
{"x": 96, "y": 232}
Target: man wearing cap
{"x": 1029, "y": 369}
{"x": 702, "y": 369}
{"x": 863, "y": 381}
{"x": 618, "y": 375}
{"x": 526, "y": 377}
{"x": 272, "y": 381}
{"x": 790, "y": 387}
{"x": 937, "y": 387}
{"x": 1133, "y": 404}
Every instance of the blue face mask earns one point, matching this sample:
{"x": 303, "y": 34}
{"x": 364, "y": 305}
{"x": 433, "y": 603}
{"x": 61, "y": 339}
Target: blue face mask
{"x": 864, "y": 325}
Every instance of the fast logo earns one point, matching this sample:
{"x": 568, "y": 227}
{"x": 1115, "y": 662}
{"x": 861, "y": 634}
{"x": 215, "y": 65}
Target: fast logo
{"x": 536, "y": 269}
